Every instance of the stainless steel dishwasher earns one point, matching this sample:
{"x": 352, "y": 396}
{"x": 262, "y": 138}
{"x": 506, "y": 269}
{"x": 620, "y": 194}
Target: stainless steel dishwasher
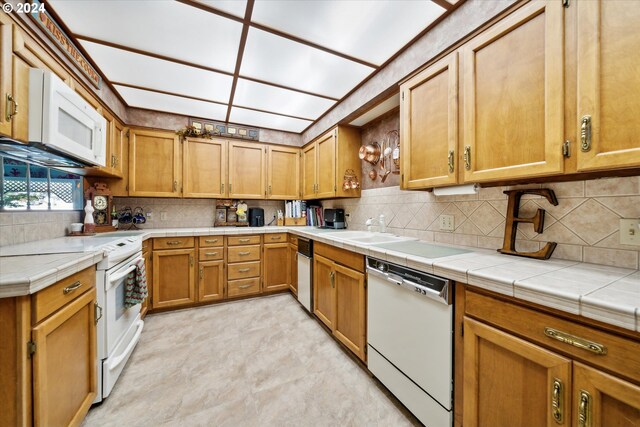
{"x": 410, "y": 338}
{"x": 305, "y": 273}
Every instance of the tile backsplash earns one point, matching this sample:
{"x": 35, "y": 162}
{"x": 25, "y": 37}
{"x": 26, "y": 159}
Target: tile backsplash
{"x": 187, "y": 212}
{"x": 585, "y": 224}
{"x": 22, "y": 227}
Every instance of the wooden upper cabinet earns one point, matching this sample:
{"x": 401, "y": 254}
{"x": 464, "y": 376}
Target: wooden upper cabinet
{"x": 283, "y": 171}
{"x": 326, "y": 165}
{"x": 603, "y": 399}
{"x": 154, "y": 163}
{"x": 117, "y": 148}
{"x": 608, "y": 67}
{"x": 308, "y": 173}
{"x": 429, "y": 128}
{"x": 511, "y": 382}
{"x": 514, "y": 96}
{"x": 6, "y": 108}
{"x": 247, "y": 170}
{"x": 204, "y": 168}
{"x": 64, "y": 364}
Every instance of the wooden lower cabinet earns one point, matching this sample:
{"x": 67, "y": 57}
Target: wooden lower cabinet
{"x": 515, "y": 374}
{"x": 340, "y": 302}
{"x": 173, "y": 278}
{"x": 210, "y": 281}
{"x": 603, "y": 399}
{"x": 64, "y": 364}
{"x": 510, "y": 382}
{"x": 277, "y": 268}
{"x": 293, "y": 275}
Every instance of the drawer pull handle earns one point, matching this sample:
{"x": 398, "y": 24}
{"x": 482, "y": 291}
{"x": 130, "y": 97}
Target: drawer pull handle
{"x": 71, "y": 288}
{"x": 201, "y": 273}
{"x": 244, "y": 253}
{"x": 575, "y": 341}
{"x": 174, "y": 242}
{"x": 584, "y": 409}
{"x": 557, "y": 401}
{"x": 244, "y": 286}
{"x": 276, "y": 237}
{"x": 211, "y": 240}
{"x": 244, "y": 270}
{"x": 211, "y": 253}
{"x": 244, "y": 240}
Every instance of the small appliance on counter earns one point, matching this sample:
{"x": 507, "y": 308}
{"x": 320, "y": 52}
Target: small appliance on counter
{"x": 334, "y": 218}
{"x": 256, "y": 217}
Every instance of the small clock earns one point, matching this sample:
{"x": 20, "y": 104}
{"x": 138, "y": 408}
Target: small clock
{"x": 102, "y": 202}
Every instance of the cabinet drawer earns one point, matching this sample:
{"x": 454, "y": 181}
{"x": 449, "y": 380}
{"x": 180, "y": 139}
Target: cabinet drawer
{"x": 243, "y": 240}
{"x": 211, "y": 254}
{"x": 243, "y": 287}
{"x": 173, "y": 243}
{"x": 243, "y": 270}
{"x": 293, "y": 239}
{"x": 51, "y": 299}
{"x": 243, "y": 253}
{"x": 210, "y": 241}
{"x": 275, "y": 238}
{"x": 621, "y": 356}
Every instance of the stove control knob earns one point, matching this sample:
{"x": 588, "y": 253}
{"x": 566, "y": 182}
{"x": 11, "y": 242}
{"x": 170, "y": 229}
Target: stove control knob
{"x": 424, "y": 292}
{"x": 382, "y": 267}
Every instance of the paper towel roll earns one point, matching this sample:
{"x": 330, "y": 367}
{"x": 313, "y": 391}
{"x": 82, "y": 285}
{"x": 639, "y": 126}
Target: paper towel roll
{"x": 456, "y": 190}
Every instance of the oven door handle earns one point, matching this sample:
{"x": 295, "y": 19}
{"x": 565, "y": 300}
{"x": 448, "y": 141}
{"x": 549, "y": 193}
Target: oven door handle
{"x": 128, "y": 270}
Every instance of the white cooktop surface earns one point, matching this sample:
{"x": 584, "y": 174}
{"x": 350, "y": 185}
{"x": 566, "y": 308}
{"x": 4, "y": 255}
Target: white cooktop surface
{"x": 65, "y": 244}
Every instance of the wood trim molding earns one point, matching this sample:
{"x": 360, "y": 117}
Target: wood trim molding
{"x": 243, "y": 43}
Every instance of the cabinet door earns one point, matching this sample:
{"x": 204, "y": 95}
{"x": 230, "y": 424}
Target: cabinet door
{"x": 429, "y": 131}
{"x": 309, "y": 162}
{"x": 513, "y": 103}
{"x": 64, "y": 364}
{"x": 510, "y": 382}
{"x": 608, "y": 81}
{"x": 276, "y": 267}
{"x": 603, "y": 400}
{"x": 326, "y": 166}
{"x": 283, "y": 170}
{"x": 293, "y": 278}
{"x": 173, "y": 278}
{"x": 120, "y": 187}
{"x": 154, "y": 163}
{"x": 324, "y": 296}
{"x": 6, "y": 28}
{"x": 350, "y": 309}
{"x": 204, "y": 168}
{"x": 211, "y": 281}
{"x": 117, "y": 148}
{"x": 246, "y": 170}
{"x": 110, "y": 131}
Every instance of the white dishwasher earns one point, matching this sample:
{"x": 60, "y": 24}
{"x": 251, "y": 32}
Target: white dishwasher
{"x": 410, "y": 340}
{"x": 305, "y": 273}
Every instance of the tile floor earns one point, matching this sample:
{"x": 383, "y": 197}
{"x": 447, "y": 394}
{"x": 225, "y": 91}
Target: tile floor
{"x": 256, "y": 362}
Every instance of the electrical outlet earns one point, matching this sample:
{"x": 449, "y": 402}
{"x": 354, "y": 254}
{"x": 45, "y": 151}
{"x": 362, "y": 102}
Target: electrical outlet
{"x": 630, "y": 232}
{"x": 446, "y": 223}
{"x": 163, "y": 216}
{"x": 149, "y": 215}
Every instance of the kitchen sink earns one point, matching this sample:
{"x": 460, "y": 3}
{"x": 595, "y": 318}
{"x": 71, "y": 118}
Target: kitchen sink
{"x": 366, "y": 237}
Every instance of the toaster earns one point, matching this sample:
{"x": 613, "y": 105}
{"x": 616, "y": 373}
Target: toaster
{"x": 334, "y": 218}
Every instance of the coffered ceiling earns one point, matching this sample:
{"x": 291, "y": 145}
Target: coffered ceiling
{"x": 277, "y": 64}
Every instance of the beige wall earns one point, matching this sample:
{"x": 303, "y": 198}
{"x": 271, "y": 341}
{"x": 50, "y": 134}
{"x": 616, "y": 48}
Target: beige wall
{"x": 188, "y": 212}
{"x": 22, "y": 227}
{"x": 585, "y": 224}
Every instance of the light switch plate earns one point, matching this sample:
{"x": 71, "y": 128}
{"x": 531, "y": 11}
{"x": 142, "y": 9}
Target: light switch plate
{"x": 446, "y": 223}
{"x": 630, "y": 232}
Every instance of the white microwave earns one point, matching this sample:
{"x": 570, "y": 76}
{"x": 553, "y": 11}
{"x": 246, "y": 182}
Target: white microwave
{"x": 60, "y": 121}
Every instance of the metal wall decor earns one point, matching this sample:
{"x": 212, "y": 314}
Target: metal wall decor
{"x": 209, "y": 128}
{"x": 350, "y": 180}
{"x": 387, "y": 155}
